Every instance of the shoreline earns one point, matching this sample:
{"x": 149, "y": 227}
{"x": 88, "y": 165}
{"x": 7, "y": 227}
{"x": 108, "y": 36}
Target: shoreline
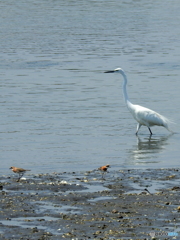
{"x": 82, "y": 205}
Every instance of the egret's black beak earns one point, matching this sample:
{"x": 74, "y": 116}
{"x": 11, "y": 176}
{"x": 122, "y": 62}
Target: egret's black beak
{"x": 109, "y": 72}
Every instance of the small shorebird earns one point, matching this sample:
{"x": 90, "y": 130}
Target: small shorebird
{"x": 104, "y": 169}
{"x": 20, "y": 171}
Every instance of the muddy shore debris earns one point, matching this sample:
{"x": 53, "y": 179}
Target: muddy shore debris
{"x": 126, "y": 204}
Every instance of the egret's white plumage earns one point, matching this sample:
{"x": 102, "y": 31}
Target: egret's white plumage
{"x": 142, "y": 115}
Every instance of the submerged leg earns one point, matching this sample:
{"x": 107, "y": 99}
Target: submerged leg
{"x": 20, "y": 176}
{"x": 150, "y": 130}
{"x": 103, "y": 175}
{"x": 138, "y": 127}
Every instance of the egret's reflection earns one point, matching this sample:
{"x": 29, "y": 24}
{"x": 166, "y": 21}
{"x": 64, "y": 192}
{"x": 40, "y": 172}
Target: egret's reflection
{"x": 146, "y": 149}
{"x": 154, "y": 144}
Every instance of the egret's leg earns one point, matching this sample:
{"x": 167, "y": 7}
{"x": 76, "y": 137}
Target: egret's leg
{"x": 138, "y": 127}
{"x": 150, "y": 130}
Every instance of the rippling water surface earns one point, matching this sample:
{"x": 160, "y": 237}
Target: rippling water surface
{"x": 59, "y": 111}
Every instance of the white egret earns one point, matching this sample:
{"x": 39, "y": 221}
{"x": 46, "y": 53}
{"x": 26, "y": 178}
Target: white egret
{"x": 142, "y": 115}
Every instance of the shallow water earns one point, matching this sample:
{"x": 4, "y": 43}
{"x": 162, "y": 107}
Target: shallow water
{"x": 59, "y": 111}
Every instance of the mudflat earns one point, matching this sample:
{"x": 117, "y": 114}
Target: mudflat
{"x": 121, "y": 204}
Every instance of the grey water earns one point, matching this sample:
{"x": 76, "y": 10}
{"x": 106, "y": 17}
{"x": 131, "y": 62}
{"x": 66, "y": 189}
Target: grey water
{"x": 60, "y": 111}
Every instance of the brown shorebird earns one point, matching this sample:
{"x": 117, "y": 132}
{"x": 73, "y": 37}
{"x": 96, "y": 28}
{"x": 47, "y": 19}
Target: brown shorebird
{"x": 104, "y": 169}
{"x": 20, "y": 171}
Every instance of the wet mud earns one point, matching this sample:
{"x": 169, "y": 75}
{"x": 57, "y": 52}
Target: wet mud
{"x": 125, "y": 204}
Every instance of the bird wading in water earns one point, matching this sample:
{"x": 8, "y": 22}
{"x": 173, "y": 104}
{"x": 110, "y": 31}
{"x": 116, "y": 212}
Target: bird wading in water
{"x": 142, "y": 115}
{"x": 104, "y": 169}
{"x": 19, "y": 171}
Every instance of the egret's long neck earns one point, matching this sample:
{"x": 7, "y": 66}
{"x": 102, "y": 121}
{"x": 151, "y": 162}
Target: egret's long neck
{"x": 130, "y": 106}
{"x": 126, "y": 99}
